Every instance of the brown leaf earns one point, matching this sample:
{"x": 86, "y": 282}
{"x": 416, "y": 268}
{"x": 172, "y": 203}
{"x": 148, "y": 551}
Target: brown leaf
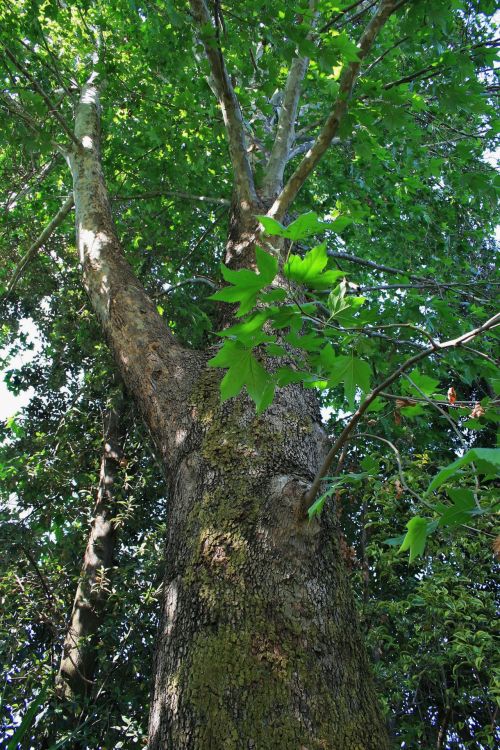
{"x": 477, "y": 411}
{"x": 496, "y": 547}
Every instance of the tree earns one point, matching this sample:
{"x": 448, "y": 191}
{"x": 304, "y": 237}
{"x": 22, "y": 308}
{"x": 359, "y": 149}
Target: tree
{"x": 258, "y": 642}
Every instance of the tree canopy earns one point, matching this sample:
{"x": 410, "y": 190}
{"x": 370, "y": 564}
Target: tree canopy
{"x": 382, "y": 301}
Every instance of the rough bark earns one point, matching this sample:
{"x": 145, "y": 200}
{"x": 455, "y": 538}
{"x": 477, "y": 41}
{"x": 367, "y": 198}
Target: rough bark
{"x": 78, "y": 660}
{"x": 258, "y": 645}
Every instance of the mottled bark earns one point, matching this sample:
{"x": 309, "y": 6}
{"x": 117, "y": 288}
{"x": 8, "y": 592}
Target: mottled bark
{"x": 258, "y": 645}
{"x": 78, "y": 660}
{"x": 153, "y": 366}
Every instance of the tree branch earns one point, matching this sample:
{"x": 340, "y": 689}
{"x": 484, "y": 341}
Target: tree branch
{"x": 174, "y": 194}
{"x": 285, "y": 131}
{"x": 310, "y": 495}
{"x": 51, "y": 107}
{"x": 228, "y": 103}
{"x": 37, "y": 244}
{"x": 331, "y": 126}
{"x": 185, "y": 282}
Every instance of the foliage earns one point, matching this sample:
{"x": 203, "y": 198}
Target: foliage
{"x": 404, "y": 203}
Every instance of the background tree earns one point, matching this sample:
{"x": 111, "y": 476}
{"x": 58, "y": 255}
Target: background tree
{"x": 256, "y": 605}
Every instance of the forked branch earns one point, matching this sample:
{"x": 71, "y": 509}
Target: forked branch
{"x": 285, "y": 130}
{"x": 332, "y": 124}
{"x": 228, "y": 103}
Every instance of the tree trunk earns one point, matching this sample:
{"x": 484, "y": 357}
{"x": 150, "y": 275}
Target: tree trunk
{"x": 258, "y": 646}
{"x": 76, "y": 671}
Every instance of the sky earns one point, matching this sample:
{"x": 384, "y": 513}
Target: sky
{"x": 10, "y": 404}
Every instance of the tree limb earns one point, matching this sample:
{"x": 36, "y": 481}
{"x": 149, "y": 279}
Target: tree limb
{"x": 174, "y": 194}
{"x": 332, "y": 124}
{"x": 228, "y": 103}
{"x": 37, "y": 244}
{"x": 36, "y": 86}
{"x": 285, "y": 131}
{"x": 310, "y": 495}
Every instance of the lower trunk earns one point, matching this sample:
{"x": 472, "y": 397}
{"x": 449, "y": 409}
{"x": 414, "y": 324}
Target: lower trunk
{"x": 258, "y": 646}
{"x": 76, "y": 671}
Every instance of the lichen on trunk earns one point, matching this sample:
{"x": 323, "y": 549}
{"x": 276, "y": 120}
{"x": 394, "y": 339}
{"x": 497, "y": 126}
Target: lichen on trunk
{"x": 258, "y": 644}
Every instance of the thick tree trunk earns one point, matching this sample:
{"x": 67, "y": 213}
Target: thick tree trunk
{"x": 76, "y": 671}
{"x": 258, "y": 646}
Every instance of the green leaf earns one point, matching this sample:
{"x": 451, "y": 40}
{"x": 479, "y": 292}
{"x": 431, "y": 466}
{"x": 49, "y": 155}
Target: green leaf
{"x": 415, "y": 538}
{"x": 353, "y": 372}
{"x": 426, "y": 384}
{"x": 316, "y": 508}
{"x": 305, "y": 226}
{"x": 271, "y": 226}
{"x": 464, "y": 506}
{"x": 247, "y": 284}
{"x": 309, "y": 270}
{"x": 337, "y": 301}
{"x": 267, "y": 264}
{"x": 243, "y": 370}
{"x": 487, "y": 461}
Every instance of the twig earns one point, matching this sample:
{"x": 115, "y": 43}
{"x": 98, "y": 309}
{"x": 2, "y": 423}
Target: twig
{"x": 384, "y": 54}
{"x": 310, "y": 495}
{"x": 174, "y": 194}
{"x": 185, "y": 282}
{"x": 400, "y": 465}
{"x": 453, "y": 426}
{"x": 51, "y": 107}
{"x": 199, "y": 241}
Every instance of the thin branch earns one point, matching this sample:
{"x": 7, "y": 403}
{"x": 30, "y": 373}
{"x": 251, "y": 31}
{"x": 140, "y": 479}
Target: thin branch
{"x": 36, "y": 86}
{"x": 336, "y": 18}
{"x": 228, "y": 102}
{"x": 412, "y": 400}
{"x": 397, "y": 454}
{"x": 185, "y": 282}
{"x": 332, "y": 124}
{"x": 384, "y": 54}
{"x": 438, "y": 408}
{"x": 358, "y": 15}
{"x": 174, "y": 194}
{"x": 200, "y": 240}
{"x": 285, "y": 130}
{"x": 310, "y": 495}
{"x": 28, "y": 184}
{"x": 37, "y": 244}
{"x": 480, "y": 354}
{"x": 376, "y": 266}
